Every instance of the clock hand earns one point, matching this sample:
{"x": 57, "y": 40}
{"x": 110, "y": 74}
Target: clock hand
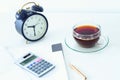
{"x": 30, "y": 26}
{"x": 37, "y": 24}
{"x": 33, "y": 29}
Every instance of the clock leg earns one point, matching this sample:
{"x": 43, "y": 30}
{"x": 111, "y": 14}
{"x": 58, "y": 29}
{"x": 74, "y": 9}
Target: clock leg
{"x": 27, "y": 42}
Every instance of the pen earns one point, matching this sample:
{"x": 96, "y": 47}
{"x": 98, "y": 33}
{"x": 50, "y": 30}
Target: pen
{"x": 77, "y": 70}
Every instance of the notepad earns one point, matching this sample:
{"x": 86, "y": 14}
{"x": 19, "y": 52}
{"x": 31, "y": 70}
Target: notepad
{"x": 52, "y": 53}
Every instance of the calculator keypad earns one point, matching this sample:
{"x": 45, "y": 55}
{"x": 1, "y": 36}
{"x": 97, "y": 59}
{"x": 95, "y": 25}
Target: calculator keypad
{"x": 40, "y": 66}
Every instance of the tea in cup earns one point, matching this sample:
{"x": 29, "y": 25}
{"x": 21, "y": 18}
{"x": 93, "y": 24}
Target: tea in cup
{"x": 86, "y": 35}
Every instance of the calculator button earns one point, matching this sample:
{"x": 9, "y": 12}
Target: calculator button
{"x": 33, "y": 70}
{"x": 49, "y": 65}
{"x": 34, "y": 63}
{"x": 45, "y": 68}
{"x": 36, "y": 70}
{"x": 28, "y": 67}
{"x": 40, "y": 66}
{"x": 38, "y": 60}
{"x": 43, "y": 60}
{"x": 39, "y": 72}
{"x": 42, "y": 70}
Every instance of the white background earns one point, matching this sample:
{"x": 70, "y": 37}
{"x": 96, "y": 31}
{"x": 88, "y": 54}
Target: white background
{"x": 62, "y": 15}
{"x": 66, "y": 5}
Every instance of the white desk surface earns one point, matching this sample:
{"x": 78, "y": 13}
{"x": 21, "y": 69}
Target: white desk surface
{"x": 101, "y": 65}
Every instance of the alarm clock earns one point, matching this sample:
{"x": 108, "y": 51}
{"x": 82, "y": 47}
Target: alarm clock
{"x": 31, "y": 23}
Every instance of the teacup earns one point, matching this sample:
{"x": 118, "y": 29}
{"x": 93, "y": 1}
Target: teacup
{"x": 86, "y": 35}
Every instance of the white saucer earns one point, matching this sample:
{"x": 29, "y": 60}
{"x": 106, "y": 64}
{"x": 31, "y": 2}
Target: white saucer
{"x": 72, "y": 44}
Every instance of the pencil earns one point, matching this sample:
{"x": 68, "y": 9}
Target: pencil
{"x": 77, "y": 70}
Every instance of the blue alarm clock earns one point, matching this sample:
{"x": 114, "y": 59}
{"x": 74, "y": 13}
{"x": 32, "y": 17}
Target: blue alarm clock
{"x": 30, "y": 23}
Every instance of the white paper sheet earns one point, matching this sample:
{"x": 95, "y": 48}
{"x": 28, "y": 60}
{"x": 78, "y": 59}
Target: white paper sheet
{"x": 45, "y": 52}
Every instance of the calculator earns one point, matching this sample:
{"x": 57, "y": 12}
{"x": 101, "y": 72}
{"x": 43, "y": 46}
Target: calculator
{"x": 34, "y": 64}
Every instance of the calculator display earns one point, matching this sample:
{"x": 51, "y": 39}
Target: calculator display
{"x": 28, "y": 60}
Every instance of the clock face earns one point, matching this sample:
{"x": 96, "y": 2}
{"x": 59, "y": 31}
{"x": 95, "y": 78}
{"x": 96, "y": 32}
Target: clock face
{"x": 35, "y": 27}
